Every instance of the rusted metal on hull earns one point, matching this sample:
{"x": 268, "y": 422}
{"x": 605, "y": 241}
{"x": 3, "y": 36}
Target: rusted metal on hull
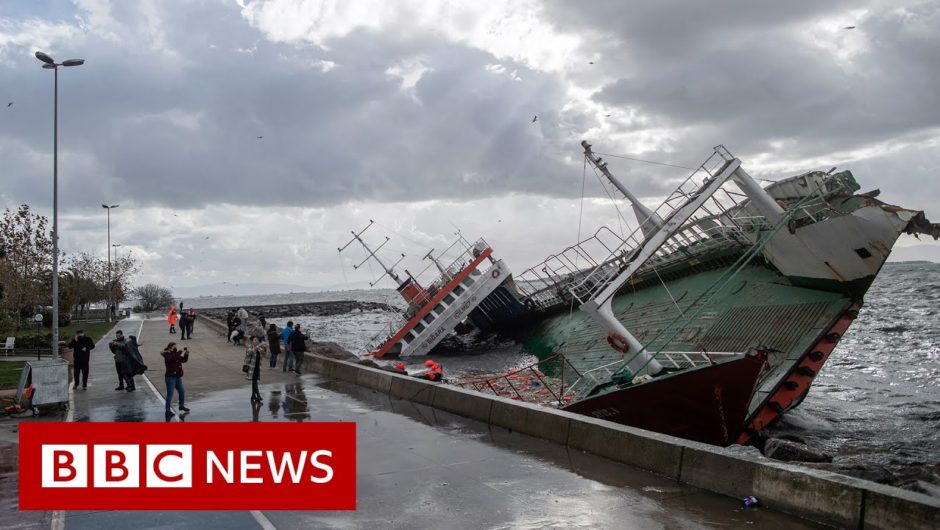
{"x": 706, "y": 404}
{"x": 794, "y": 386}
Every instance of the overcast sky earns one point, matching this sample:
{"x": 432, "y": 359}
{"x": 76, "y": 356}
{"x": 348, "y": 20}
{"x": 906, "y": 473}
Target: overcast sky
{"x": 244, "y": 139}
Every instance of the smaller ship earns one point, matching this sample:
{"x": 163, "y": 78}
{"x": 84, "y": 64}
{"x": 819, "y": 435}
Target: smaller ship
{"x": 473, "y": 291}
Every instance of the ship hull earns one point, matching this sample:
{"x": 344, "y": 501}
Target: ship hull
{"x": 707, "y": 404}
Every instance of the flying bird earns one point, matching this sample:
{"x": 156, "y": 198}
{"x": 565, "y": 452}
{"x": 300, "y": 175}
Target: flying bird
{"x": 849, "y": 27}
{"x": 535, "y": 118}
{"x": 260, "y": 137}
{"x": 590, "y": 62}
{"x": 10, "y": 104}
{"x": 607, "y": 116}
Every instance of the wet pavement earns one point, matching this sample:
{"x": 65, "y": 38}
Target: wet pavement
{"x": 417, "y": 467}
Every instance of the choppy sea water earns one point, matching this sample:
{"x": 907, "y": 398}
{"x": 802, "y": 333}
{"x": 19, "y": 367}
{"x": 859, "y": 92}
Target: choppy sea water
{"x": 876, "y": 403}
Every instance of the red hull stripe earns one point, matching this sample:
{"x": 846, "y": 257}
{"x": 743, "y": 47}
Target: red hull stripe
{"x": 798, "y": 380}
{"x": 430, "y": 305}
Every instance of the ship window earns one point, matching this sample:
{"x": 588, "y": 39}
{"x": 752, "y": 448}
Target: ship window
{"x": 428, "y": 318}
{"x": 408, "y": 338}
{"x": 449, "y": 299}
{"x": 419, "y": 327}
{"x": 458, "y": 290}
{"x": 863, "y": 252}
{"x": 439, "y": 308}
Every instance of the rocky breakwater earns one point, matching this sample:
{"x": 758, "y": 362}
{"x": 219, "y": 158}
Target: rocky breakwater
{"x": 337, "y": 307}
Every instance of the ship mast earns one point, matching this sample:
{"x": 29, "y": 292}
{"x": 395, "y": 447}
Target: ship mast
{"x": 649, "y": 221}
{"x": 390, "y": 271}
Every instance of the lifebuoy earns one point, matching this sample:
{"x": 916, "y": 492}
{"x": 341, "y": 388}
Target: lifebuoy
{"x": 529, "y": 304}
{"x": 495, "y": 273}
{"x": 618, "y": 342}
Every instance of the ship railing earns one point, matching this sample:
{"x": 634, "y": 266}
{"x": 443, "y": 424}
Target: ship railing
{"x": 593, "y": 377}
{"x": 717, "y": 209}
{"x": 550, "y": 283}
{"x": 690, "y": 359}
{"x": 528, "y": 383}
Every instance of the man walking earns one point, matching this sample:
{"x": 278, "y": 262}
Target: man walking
{"x": 298, "y": 345}
{"x": 174, "y": 359}
{"x": 184, "y": 324}
{"x": 81, "y": 353}
{"x": 230, "y": 322}
{"x": 119, "y": 348}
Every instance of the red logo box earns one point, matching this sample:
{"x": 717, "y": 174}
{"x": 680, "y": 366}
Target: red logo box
{"x": 187, "y": 466}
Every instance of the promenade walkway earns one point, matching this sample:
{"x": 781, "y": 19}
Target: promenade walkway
{"x": 417, "y": 467}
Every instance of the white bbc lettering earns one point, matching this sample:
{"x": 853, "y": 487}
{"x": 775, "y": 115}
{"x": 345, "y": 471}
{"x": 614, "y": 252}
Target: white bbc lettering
{"x": 169, "y": 466}
{"x": 227, "y": 471}
{"x": 64, "y": 466}
{"x": 324, "y": 467}
{"x": 246, "y": 467}
{"x": 116, "y": 466}
{"x": 287, "y": 462}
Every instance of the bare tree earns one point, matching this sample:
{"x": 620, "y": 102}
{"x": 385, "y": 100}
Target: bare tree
{"x": 153, "y": 297}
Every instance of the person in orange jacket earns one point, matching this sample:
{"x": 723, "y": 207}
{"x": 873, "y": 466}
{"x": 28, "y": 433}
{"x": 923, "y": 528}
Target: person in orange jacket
{"x": 172, "y": 317}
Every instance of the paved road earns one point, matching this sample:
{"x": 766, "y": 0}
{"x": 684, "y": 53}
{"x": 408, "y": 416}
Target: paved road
{"x": 417, "y": 467}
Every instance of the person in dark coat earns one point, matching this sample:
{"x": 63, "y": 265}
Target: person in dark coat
{"x": 81, "y": 352}
{"x": 298, "y": 345}
{"x": 274, "y": 344}
{"x": 118, "y": 347}
{"x": 133, "y": 363}
{"x": 184, "y": 324}
{"x": 255, "y": 350}
{"x": 230, "y": 322}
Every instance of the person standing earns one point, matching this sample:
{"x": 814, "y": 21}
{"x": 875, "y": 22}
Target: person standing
{"x": 81, "y": 353}
{"x": 190, "y": 321}
{"x": 274, "y": 345}
{"x": 298, "y": 345}
{"x": 184, "y": 324}
{"x": 288, "y": 354}
{"x": 255, "y": 350}
{"x": 230, "y": 322}
{"x": 174, "y": 359}
{"x": 264, "y": 323}
{"x": 119, "y": 348}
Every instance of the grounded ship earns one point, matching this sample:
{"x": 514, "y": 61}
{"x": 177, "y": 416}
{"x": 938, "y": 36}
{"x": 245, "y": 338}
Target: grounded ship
{"x": 713, "y": 317}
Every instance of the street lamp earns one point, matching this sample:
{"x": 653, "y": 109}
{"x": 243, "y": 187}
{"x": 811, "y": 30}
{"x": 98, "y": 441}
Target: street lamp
{"x": 108, "y": 308}
{"x": 50, "y": 64}
{"x": 115, "y": 247}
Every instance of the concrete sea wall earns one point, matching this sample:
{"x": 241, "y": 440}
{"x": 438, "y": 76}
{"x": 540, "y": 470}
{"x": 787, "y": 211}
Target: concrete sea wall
{"x": 820, "y": 496}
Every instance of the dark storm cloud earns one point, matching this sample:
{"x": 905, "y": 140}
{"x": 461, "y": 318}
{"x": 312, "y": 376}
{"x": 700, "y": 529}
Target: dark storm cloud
{"x": 176, "y": 123}
{"x": 750, "y": 74}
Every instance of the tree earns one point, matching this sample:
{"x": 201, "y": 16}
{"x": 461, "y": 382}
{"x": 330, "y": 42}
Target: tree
{"x": 26, "y": 265}
{"x": 153, "y": 297}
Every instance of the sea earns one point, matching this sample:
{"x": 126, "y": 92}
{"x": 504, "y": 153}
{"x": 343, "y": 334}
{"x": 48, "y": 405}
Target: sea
{"x": 875, "y": 405}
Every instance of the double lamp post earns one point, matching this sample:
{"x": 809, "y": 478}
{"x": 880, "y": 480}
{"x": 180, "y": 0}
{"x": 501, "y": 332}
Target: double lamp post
{"x": 50, "y": 64}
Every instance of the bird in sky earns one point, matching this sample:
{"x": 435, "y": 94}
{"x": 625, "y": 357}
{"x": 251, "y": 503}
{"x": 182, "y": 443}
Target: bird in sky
{"x": 10, "y": 104}
{"x": 535, "y": 118}
{"x": 607, "y": 116}
{"x": 207, "y": 237}
{"x": 849, "y": 27}
{"x": 590, "y": 62}
{"x": 260, "y": 137}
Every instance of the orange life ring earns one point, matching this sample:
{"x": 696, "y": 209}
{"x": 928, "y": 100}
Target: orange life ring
{"x": 495, "y": 273}
{"x": 618, "y": 342}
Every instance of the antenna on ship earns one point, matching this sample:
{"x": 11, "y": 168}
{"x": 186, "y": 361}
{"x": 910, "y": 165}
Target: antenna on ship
{"x": 390, "y": 271}
{"x": 649, "y": 221}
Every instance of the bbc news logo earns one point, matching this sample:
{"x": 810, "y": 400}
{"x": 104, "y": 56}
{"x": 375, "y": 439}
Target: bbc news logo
{"x": 187, "y": 466}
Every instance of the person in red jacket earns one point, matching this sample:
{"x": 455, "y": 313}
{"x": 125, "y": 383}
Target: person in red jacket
{"x": 172, "y": 317}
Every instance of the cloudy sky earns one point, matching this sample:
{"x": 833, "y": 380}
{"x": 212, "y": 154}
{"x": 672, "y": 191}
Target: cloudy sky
{"x": 244, "y": 139}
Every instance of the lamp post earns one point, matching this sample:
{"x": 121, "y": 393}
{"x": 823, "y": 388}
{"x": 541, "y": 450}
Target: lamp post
{"x": 108, "y": 308}
{"x": 50, "y": 64}
{"x": 115, "y": 247}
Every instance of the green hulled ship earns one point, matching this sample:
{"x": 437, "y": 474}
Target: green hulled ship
{"x": 714, "y": 317}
